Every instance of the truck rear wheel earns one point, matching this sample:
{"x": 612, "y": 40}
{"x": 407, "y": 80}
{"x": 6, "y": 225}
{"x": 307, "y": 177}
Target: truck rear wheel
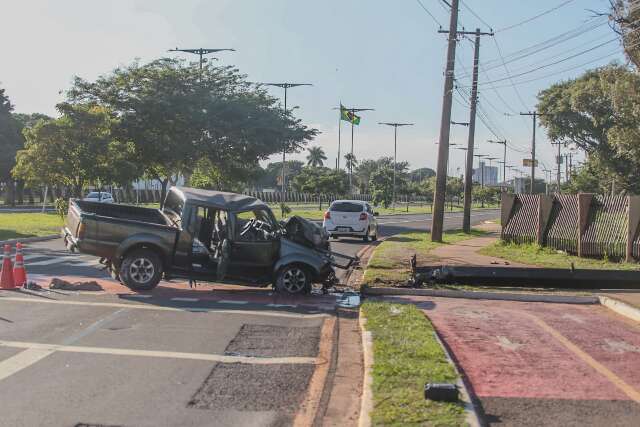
{"x": 141, "y": 270}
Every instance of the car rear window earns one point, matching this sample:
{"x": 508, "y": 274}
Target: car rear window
{"x": 346, "y": 207}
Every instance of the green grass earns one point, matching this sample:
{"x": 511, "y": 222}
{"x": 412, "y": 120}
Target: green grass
{"x": 389, "y": 262}
{"x": 533, "y": 254}
{"x": 406, "y": 355}
{"x": 21, "y": 225}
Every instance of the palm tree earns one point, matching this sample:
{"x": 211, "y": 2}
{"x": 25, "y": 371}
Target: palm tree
{"x": 316, "y": 157}
{"x": 352, "y": 162}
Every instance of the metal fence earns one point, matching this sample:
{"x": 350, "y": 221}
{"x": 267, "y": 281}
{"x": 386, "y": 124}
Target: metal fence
{"x": 583, "y": 224}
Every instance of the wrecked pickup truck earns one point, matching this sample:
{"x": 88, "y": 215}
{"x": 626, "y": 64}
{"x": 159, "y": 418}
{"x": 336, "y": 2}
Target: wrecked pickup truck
{"x": 204, "y": 235}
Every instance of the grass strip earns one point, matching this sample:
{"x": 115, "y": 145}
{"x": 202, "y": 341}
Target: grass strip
{"x": 389, "y": 263}
{"x": 406, "y": 356}
{"x": 534, "y": 254}
{"x": 22, "y": 225}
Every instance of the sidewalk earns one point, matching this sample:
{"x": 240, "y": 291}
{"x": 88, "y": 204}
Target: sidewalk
{"x": 466, "y": 253}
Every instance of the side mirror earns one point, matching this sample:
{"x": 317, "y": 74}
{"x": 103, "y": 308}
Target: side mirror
{"x": 376, "y": 213}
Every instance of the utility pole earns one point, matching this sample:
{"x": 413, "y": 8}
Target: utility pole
{"x": 468, "y": 167}
{"x": 534, "y": 115}
{"x": 480, "y": 166}
{"x": 286, "y": 86}
{"x": 558, "y": 163}
{"x": 445, "y": 128}
{"x": 395, "y": 152}
{"x": 504, "y": 160}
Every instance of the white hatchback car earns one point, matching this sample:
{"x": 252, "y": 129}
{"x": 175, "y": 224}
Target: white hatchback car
{"x": 99, "y": 196}
{"x": 351, "y": 218}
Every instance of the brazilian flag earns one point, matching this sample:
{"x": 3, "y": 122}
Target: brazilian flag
{"x": 349, "y": 116}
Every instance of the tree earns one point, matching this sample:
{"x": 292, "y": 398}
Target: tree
{"x": 321, "y": 180}
{"x": 626, "y": 18}
{"x": 175, "y": 115}
{"x": 10, "y": 142}
{"x": 598, "y": 113}
{"x": 316, "y": 157}
{"x": 418, "y": 175}
{"x": 381, "y": 186}
{"x": 352, "y": 162}
{"x": 74, "y": 150}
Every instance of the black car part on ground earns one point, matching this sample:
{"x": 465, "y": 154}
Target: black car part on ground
{"x": 569, "y": 278}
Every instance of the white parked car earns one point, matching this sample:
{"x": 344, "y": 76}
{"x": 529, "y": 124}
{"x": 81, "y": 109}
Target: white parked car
{"x": 99, "y": 196}
{"x": 351, "y": 218}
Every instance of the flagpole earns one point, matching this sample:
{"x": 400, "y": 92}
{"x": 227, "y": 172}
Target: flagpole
{"x": 351, "y": 162}
{"x": 339, "y": 127}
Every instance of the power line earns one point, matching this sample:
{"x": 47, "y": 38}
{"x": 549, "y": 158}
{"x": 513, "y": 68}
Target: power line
{"x": 533, "y": 18}
{"x": 509, "y": 74}
{"x": 429, "y": 13}
{"x": 475, "y": 14}
{"x": 526, "y": 52}
{"x": 533, "y": 70}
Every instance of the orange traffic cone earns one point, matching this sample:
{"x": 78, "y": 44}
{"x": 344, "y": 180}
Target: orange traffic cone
{"x": 19, "y": 272}
{"x": 6, "y": 280}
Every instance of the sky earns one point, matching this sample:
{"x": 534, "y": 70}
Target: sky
{"x": 385, "y": 55}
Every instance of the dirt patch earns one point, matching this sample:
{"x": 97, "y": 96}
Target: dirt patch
{"x": 275, "y": 341}
{"x": 254, "y": 387}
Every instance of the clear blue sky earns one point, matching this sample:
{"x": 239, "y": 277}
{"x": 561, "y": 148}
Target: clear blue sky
{"x": 385, "y": 55}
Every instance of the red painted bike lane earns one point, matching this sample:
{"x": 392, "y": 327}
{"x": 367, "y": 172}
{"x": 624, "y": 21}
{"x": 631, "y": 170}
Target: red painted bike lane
{"x": 543, "y": 364}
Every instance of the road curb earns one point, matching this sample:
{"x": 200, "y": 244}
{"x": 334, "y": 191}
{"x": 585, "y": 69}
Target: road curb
{"x": 30, "y": 239}
{"x": 620, "y": 307}
{"x": 559, "y": 299}
{"x": 366, "y": 402}
{"x": 473, "y": 419}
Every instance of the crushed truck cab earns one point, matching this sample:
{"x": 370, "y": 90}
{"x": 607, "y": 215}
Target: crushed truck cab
{"x": 203, "y": 235}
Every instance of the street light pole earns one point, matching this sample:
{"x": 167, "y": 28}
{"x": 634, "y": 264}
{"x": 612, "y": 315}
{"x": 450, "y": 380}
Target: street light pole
{"x": 504, "y": 160}
{"x": 200, "y": 52}
{"x": 286, "y": 86}
{"x": 395, "y": 152}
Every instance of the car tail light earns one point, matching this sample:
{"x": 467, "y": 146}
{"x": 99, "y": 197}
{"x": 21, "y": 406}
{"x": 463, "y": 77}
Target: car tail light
{"x": 82, "y": 228}
{"x": 327, "y": 215}
{"x": 363, "y": 216}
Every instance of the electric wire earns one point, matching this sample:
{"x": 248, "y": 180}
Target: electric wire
{"x": 533, "y": 18}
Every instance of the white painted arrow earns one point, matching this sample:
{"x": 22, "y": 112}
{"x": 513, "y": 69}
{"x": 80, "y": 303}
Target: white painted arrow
{"x": 620, "y": 346}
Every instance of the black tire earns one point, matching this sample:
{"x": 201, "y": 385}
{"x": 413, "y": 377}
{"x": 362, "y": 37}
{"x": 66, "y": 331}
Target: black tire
{"x": 365, "y": 238}
{"x": 293, "y": 279}
{"x": 375, "y": 236}
{"x": 141, "y": 270}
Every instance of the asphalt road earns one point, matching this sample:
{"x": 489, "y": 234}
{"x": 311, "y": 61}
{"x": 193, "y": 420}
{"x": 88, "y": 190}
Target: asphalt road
{"x": 208, "y": 356}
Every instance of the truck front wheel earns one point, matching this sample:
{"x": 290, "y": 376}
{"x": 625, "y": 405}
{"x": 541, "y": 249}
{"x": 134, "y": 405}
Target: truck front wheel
{"x": 294, "y": 280}
{"x": 141, "y": 270}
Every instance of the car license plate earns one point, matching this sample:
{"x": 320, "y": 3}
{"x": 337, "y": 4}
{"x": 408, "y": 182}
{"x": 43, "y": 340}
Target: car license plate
{"x": 343, "y": 228}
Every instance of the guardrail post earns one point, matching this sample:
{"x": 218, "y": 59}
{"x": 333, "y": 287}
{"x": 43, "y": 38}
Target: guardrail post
{"x": 633, "y": 216}
{"x": 545, "y": 203}
{"x": 584, "y": 206}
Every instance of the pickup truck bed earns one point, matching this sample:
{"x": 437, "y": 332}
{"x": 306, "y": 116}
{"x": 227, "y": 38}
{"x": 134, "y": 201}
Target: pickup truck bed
{"x": 109, "y": 230}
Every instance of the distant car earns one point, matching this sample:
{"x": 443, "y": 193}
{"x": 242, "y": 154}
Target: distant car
{"x": 351, "y": 218}
{"x": 99, "y": 196}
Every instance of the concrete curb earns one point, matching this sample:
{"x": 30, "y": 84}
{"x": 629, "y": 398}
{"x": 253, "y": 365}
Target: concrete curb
{"x": 620, "y": 307}
{"x": 473, "y": 420}
{"x": 366, "y": 402}
{"x": 30, "y": 239}
{"x": 561, "y": 299}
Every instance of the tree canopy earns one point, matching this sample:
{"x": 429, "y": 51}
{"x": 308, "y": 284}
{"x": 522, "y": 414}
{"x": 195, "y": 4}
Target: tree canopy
{"x": 598, "y": 112}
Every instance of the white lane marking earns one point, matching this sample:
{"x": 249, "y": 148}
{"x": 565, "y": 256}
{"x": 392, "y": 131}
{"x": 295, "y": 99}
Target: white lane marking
{"x": 185, "y": 299}
{"x": 92, "y": 328}
{"x": 137, "y": 296}
{"x": 22, "y": 360}
{"x": 281, "y": 305}
{"x": 225, "y": 301}
{"x": 50, "y": 348}
{"x": 163, "y": 308}
{"x": 614, "y": 346}
{"x": 47, "y": 262}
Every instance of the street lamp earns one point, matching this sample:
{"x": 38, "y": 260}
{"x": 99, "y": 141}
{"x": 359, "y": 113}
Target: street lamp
{"x": 504, "y": 160}
{"x": 200, "y": 52}
{"x": 481, "y": 167}
{"x": 490, "y": 164}
{"x": 286, "y": 86}
{"x": 395, "y": 151}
